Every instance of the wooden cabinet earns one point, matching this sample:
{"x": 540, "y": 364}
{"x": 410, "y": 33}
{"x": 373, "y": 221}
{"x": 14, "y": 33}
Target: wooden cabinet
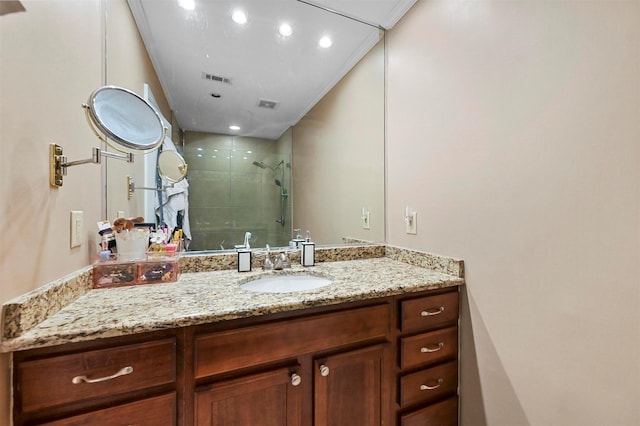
{"x": 272, "y": 398}
{"x": 348, "y": 388}
{"x": 389, "y": 361}
{"x": 89, "y": 383}
{"x": 428, "y": 360}
{"x": 156, "y": 411}
{"x": 332, "y": 372}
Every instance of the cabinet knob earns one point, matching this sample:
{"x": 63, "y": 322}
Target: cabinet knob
{"x": 431, "y": 312}
{"x": 123, "y": 372}
{"x": 432, "y": 387}
{"x": 324, "y": 370}
{"x": 427, "y": 349}
{"x": 296, "y": 379}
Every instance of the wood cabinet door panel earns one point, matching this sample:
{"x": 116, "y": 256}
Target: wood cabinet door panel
{"x": 64, "y": 379}
{"x": 265, "y": 399}
{"x": 428, "y": 312}
{"x": 158, "y": 411}
{"x": 347, "y": 388}
{"x": 428, "y": 347}
{"x": 444, "y": 413}
{"x": 231, "y": 350}
{"x": 429, "y": 384}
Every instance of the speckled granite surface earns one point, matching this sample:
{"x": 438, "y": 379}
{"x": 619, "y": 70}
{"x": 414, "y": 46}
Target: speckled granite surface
{"x": 29, "y": 309}
{"x": 206, "y": 297}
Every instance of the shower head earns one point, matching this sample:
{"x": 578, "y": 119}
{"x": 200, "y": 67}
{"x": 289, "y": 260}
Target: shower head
{"x": 278, "y": 183}
{"x": 260, "y": 164}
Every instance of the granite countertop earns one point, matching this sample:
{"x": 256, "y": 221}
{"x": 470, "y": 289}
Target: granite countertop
{"x": 208, "y": 297}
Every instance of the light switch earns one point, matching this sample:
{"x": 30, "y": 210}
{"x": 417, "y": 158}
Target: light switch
{"x": 77, "y": 228}
{"x": 412, "y": 223}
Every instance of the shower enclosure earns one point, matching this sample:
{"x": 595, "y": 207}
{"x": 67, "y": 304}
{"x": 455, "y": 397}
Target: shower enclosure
{"x": 237, "y": 184}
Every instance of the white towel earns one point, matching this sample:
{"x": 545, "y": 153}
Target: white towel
{"x": 175, "y": 200}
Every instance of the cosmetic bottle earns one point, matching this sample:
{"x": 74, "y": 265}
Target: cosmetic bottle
{"x": 307, "y": 257}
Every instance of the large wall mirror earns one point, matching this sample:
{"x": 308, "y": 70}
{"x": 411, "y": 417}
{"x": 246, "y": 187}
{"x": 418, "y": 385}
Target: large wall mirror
{"x": 279, "y": 132}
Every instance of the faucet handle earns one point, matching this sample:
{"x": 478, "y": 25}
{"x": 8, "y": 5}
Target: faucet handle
{"x": 285, "y": 260}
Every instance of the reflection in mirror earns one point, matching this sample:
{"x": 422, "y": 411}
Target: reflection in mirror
{"x": 270, "y": 85}
{"x": 171, "y": 166}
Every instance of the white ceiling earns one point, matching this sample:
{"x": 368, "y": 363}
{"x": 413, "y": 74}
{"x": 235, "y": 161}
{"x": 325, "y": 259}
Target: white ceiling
{"x": 258, "y": 62}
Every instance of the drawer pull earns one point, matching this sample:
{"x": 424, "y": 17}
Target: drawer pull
{"x": 123, "y": 372}
{"x": 429, "y": 313}
{"x": 324, "y": 370}
{"x": 296, "y": 379}
{"x": 428, "y": 350}
{"x": 427, "y": 387}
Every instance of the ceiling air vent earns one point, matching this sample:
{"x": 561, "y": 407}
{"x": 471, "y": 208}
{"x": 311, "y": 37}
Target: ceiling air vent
{"x": 263, "y": 103}
{"x": 213, "y": 77}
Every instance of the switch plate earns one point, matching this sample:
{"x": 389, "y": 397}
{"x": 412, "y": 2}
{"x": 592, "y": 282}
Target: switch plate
{"x": 120, "y": 213}
{"x": 77, "y": 228}
{"x": 365, "y": 221}
{"x": 412, "y": 223}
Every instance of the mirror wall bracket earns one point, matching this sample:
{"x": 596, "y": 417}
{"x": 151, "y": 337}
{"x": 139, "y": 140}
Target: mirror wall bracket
{"x": 58, "y": 163}
{"x": 131, "y": 187}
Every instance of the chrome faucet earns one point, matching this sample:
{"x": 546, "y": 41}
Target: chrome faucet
{"x": 281, "y": 262}
{"x": 245, "y": 245}
{"x": 268, "y": 264}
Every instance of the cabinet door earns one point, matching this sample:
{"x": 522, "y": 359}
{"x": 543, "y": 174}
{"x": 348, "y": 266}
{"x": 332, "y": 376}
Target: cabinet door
{"x": 264, "y": 399}
{"x": 348, "y": 388}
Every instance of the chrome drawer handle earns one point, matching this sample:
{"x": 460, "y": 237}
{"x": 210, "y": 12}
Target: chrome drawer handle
{"x": 427, "y": 350}
{"x": 428, "y": 313}
{"x": 436, "y": 386}
{"x": 123, "y": 372}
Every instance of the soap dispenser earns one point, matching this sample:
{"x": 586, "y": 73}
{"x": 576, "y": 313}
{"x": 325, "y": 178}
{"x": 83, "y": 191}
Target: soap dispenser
{"x": 244, "y": 255}
{"x": 307, "y": 257}
{"x": 297, "y": 240}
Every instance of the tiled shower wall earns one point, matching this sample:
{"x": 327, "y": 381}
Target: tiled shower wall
{"x": 229, "y": 195}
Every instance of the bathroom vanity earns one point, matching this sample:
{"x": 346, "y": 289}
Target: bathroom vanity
{"x": 377, "y": 346}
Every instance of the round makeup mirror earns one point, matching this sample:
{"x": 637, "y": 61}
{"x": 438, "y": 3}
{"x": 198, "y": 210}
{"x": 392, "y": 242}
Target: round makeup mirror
{"x": 171, "y": 166}
{"x": 125, "y": 118}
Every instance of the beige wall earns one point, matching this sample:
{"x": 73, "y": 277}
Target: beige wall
{"x": 514, "y": 131}
{"x": 51, "y": 59}
{"x": 338, "y": 157}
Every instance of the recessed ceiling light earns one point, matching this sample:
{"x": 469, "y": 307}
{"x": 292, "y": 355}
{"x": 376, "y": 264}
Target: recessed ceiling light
{"x": 199, "y": 155}
{"x": 187, "y": 4}
{"x": 234, "y": 127}
{"x": 325, "y": 42}
{"x": 285, "y": 30}
{"x": 239, "y": 17}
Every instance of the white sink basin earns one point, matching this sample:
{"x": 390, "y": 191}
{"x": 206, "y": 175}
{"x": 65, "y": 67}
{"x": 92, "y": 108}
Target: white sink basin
{"x": 286, "y": 283}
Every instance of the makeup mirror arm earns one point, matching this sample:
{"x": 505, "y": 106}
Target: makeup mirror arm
{"x": 58, "y": 163}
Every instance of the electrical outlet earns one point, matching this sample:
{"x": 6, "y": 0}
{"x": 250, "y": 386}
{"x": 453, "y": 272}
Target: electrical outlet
{"x": 412, "y": 223}
{"x": 365, "y": 221}
{"x": 77, "y": 228}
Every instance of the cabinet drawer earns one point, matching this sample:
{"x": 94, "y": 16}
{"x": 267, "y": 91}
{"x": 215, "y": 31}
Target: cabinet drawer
{"x": 75, "y": 377}
{"x": 158, "y": 411}
{"x": 230, "y": 350}
{"x": 428, "y": 347}
{"x": 430, "y": 384}
{"x": 444, "y": 413}
{"x": 428, "y": 312}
